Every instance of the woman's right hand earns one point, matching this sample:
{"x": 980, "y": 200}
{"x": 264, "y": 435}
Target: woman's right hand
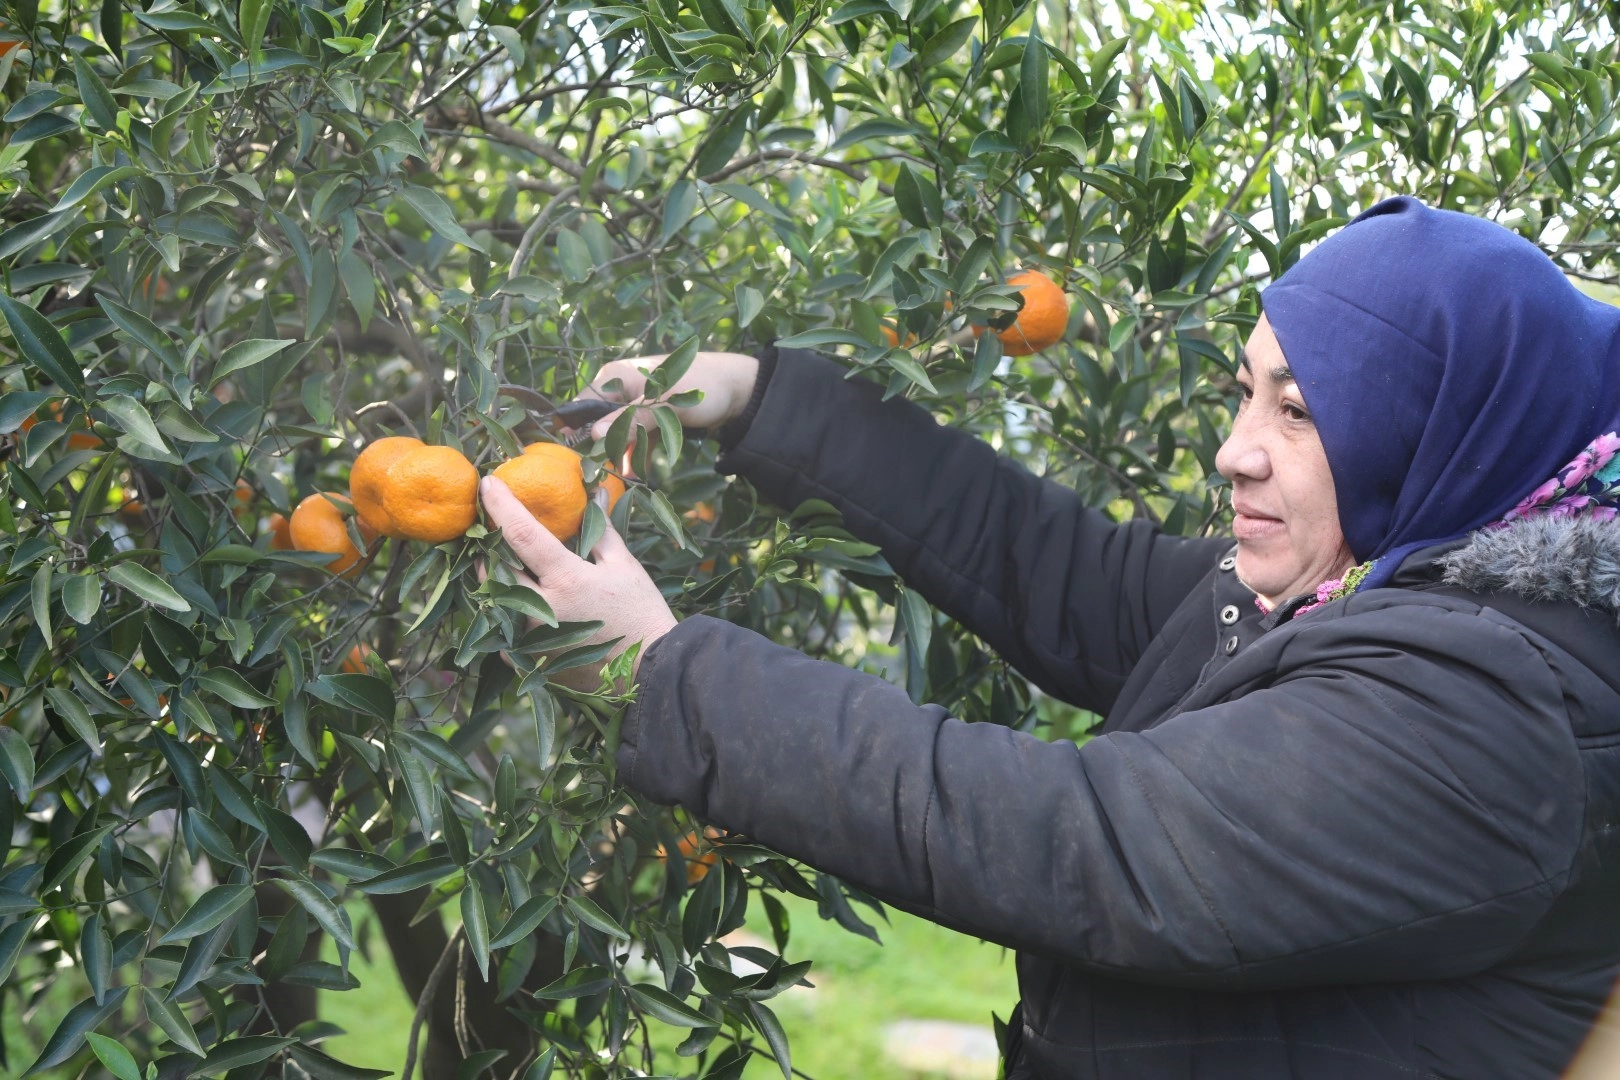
{"x": 726, "y": 380}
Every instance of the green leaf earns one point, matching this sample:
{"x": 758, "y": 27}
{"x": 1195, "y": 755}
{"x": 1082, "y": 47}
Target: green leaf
{"x": 944, "y": 44}
{"x": 906, "y": 364}
{"x": 72, "y": 712}
{"x": 813, "y": 339}
{"x": 364, "y": 693}
{"x": 148, "y": 586}
{"x": 95, "y": 953}
{"x": 135, "y": 420}
{"x": 40, "y": 594}
{"x": 169, "y": 1017}
{"x": 42, "y": 346}
{"x": 13, "y": 902}
{"x": 750, "y": 302}
{"x": 331, "y": 918}
{"x": 80, "y": 1020}
{"x": 437, "y": 213}
{"x": 231, "y": 688}
{"x": 81, "y": 597}
{"x": 17, "y": 763}
{"x": 177, "y": 22}
{"x": 574, "y": 256}
{"x": 541, "y": 1069}
{"x": 991, "y": 142}
{"x": 1033, "y": 82}
{"x": 875, "y": 129}
{"x": 212, "y": 908}
{"x": 19, "y": 405}
{"x": 91, "y": 181}
{"x": 233, "y": 555}
{"x": 667, "y": 1007}
{"x": 12, "y": 940}
{"x": 245, "y": 354}
{"x": 725, "y": 138}
{"x": 581, "y": 982}
{"x": 908, "y": 197}
{"x": 93, "y": 92}
{"x": 522, "y": 599}
{"x": 287, "y": 835}
{"x": 1104, "y": 57}
{"x": 248, "y": 1050}
{"x": 396, "y": 136}
{"x": 321, "y": 1067}
{"x": 114, "y": 1057}
{"x": 67, "y": 858}
{"x": 475, "y": 923}
{"x": 252, "y": 19}
{"x": 144, "y": 331}
{"x": 679, "y": 207}
{"x": 770, "y": 1027}
{"x": 405, "y": 878}
{"x": 440, "y": 752}
{"x": 524, "y": 921}
{"x": 585, "y": 910}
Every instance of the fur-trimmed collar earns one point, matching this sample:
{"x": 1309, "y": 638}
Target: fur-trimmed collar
{"x": 1560, "y": 560}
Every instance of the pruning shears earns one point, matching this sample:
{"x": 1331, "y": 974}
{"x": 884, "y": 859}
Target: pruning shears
{"x": 573, "y": 417}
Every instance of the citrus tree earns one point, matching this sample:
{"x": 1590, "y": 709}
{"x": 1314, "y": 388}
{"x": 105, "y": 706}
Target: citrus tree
{"x": 241, "y": 242}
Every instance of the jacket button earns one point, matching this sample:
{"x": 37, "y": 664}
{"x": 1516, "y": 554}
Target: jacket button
{"x": 1228, "y": 562}
{"x": 1231, "y": 646}
{"x": 1229, "y": 615}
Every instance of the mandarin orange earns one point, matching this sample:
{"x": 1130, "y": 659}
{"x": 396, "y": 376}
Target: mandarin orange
{"x": 1043, "y": 320}
{"x": 318, "y": 524}
{"x": 549, "y": 480}
{"x": 431, "y": 494}
{"x": 369, "y": 476}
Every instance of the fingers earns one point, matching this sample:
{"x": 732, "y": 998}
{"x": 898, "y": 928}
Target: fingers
{"x": 599, "y": 429}
{"x": 631, "y": 375}
{"x": 644, "y": 422}
{"x": 532, "y": 542}
{"x": 610, "y": 547}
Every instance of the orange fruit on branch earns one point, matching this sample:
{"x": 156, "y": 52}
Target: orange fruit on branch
{"x": 369, "y": 476}
{"x": 549, "y": 480}
{"x": 892, "y": 336}
{"x": 431, "y": 494}
{"x": 609, "y": 479}
{"x": 355, "y": 662}
{"x": 1043, "y": 320}
{"x": 281, "y": 533}
{"x": 317, "y": 525}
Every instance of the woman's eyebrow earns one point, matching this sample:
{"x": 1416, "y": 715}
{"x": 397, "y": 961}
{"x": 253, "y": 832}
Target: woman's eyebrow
{"x": 1281, "y": 373}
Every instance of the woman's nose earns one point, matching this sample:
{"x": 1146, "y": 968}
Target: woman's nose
{"x": 1242, "y": 456}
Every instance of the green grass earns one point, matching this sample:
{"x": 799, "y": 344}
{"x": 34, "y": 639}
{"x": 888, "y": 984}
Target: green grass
{"x": 921, "y": 972}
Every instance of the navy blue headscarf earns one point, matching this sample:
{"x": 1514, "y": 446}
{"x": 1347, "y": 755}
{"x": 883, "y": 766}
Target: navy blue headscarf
{"x": 1450, "y": 368}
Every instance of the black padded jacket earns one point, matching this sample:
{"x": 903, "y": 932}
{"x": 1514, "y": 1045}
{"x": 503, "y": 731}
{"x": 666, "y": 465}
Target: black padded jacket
{"x": 1377, "y": 840}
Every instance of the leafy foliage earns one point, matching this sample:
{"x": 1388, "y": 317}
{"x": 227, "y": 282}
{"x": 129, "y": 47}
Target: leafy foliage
{"x": 240, "y": 240}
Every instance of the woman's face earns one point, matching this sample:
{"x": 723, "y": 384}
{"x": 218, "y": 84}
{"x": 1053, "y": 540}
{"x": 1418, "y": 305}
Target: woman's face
{"x": 1287, "y": 522}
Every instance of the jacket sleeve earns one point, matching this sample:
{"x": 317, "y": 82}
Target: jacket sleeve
{"x": 1377, "y": 813}
{"x": 1067, "y": 596}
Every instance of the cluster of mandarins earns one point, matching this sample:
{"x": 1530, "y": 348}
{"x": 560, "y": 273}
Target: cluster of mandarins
{"x": 399, "y": 486}
{"x": 1041, "y": 322}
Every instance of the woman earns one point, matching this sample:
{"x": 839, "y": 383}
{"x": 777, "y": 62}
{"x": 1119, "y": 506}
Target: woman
{"x": 1353, "y": 812}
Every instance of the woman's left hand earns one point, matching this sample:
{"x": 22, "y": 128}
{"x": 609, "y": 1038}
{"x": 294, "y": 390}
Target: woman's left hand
{"x": 614, "y": 589}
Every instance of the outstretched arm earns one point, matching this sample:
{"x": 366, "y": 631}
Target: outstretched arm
{"x": 1065, "y": 594}
{"x": 1374, "y": 812}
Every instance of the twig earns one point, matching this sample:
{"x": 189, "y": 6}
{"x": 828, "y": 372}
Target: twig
{"x": 425, "y": 1002}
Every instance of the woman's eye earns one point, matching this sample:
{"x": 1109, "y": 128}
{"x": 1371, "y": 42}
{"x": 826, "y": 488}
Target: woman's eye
{"x": 1295, "y": 412}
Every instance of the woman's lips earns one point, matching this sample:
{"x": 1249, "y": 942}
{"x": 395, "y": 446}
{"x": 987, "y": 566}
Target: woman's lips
{"x": 1252, "y": 526}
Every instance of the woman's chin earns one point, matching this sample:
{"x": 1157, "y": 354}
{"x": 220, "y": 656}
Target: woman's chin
{"x": 1267, "y": 578}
